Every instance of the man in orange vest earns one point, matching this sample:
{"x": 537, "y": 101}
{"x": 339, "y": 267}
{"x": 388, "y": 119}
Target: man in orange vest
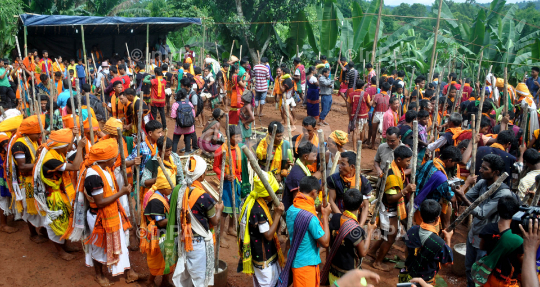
{"x": 157, "y": 95}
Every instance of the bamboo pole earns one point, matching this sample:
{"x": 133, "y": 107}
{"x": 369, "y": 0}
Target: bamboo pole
{"x": 33, "y": 94}
{"x": 472, "y": 168}
{"x": 25, "y": 33}
{"x": 164, "y": 146}
{"x": 479, "y": 66}
{"x": 381, "y": 193}
{"x": 480, "y": 199}
{"x": 217, "y": 52}
{"x": 482, "y": 98}
{"x": 232, "y": 46}
{"x": 358, "y": 165}
{"x": 322, "y": 156}
{"x": 459, "y": 96}
{"x": 23, "y": 97}
{"x": 339, "y": 59}
{"x": 297, "y": 51}
{"x": 51, "y": 104}
{"x": 436, "y": 108}
{"x": 409, "y": 93}
{"x": 139, "y": 139}
{"x": 253, "y": 162}
{"x": 231, "y": 167}
{"x": 240, "y": 58}
{"x": 84, "y": 54}
{"x": 124, "y": 170}
{"x": 103, "y": 98}
{"x": 413, "y": 172}
{"x": 81, "y": 126}
{"x": 505, "y": 94}
{"x": 90, "y": 125}
{"x": 287, "y": 114}
{"x": 218, "y": 231}
{"x": 335, "y": 162}
{"x": 432, "y": 63}
{"x": 203, "y": 43}
{"x": 38, "y": 112}
{"x": 395, "y": 61}
{"x": 377, "y": 34}
{"x": 270, "y": 149}
{"x": 147, "y": 48}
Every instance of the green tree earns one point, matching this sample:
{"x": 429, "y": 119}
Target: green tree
{"x": 8, "y": 24}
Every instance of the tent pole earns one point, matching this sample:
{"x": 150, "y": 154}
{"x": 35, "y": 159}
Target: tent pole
{"x": 84, "y": 55}
{"x": 25, "y": 44}
{"x": 147, "y": 47}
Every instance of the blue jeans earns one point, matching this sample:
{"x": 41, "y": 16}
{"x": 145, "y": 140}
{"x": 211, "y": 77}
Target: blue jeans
{"x": 473, "y": 254}
{"x": 326, "y": 104}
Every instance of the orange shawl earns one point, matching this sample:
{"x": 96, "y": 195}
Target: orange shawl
{"x": 315, "y": 141}
{"x": 185, "y": 219}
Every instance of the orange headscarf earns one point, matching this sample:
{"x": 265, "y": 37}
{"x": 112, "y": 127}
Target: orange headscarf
{"x": 106, "y": 233}
{"x": 95, "y": 124}
{"x": 30, "y": 125}
{"x": 68, "y": 121}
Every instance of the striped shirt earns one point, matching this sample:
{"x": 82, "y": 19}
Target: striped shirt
{"x": 262, "y": 74}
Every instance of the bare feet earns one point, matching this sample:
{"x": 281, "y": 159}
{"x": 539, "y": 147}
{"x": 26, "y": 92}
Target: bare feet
{"x": 372, "y": 254}
{"x": 165, "y": 282}
{"x": 223, "y": 244}
{"x": 231, "y": 232}
{"x": 103, "y": 281}
{"x": 132, "y": 276}
{"x": 71, "y": 248}
{"x": 381, "y": 266}
{"x": 39, "y": 238}
{"x": 8, "y": 229}
{"x": 66, "y": 256}
{"x": 150, "y": 282}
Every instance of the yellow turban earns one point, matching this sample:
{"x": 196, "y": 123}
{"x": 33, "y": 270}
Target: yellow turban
{"x": 4, "y": 137}
{"x": 95, "y": 124}
{"x": 161, "y": 180}
{"x": 259, "y": 190}
{"x": 68, "y": 121}
{"x": 111, "y": 125}
{"x": 522, "y": 90}
{"x": 11, "y": 124}
{"x": 339, "y": 137}
{"x": 499, "y": 83}
{"x": 320, "y": 66}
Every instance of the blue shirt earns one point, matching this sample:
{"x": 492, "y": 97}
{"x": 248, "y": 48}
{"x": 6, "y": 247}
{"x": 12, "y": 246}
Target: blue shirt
{"x": 533, "y": 88}
{"x": 308, "y": 252}
{"x": 63, "y": 98}
{"x": 80, "y": 71}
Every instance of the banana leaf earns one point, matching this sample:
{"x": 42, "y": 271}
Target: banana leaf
{"x": 329, "y": 27}
{"x": 297, "y": 33}
{"x": 362, "y": 23}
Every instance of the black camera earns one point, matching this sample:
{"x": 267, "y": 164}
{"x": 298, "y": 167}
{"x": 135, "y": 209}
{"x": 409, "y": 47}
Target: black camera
{"x": 523, "y": 216}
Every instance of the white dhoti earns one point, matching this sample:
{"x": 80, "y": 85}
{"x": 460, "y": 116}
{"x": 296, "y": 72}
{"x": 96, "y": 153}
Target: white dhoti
{"x": 268, "y": 276}
{"x": 378, "y": 118}
{"x": 98, "y": 254}
{"x": 35, "y": 219}
{"x": 194, "y": 273}
{"x": 53, "y": 237}
{"x": 384, "y": 218}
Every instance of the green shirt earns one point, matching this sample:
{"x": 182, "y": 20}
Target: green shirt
{"x": 5, "y": 81}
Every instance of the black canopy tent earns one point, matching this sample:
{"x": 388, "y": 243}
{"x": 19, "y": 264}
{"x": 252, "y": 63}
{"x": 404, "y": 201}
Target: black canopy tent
{"x": 63, "y": 35}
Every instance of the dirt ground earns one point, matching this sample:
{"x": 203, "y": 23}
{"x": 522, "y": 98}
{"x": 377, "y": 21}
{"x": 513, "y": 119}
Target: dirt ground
{"x": 25, "y": 263}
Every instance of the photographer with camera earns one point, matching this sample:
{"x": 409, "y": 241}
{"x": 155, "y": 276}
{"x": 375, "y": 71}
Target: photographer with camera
{"x": 486, "y": 212}
{"x": 502, "y": 265}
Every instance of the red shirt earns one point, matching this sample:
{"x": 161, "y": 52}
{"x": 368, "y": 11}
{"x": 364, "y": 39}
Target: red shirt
{"x": 371, "y": 90}
{"x": 458, "y": 86}
{"x": 126, "y": 81}
{"x": 364, "y": 107}
{"x": 158, "y": 92}
{"x": 381, "y": 102}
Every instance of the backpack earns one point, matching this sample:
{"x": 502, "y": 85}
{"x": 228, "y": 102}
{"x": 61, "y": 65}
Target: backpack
{"x": 184, "y": 115}
{"x": 107, "y": 78}
{"x": 200, "y": 103}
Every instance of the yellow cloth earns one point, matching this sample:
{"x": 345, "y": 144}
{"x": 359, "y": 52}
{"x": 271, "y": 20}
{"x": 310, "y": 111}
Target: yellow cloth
{"x": 25, "y": 180}
{"x": 11, "y": 124}
{"x": 522, "y": 90}
{"x": 499, "y": 146}
{"x": 61, "y": 194}
{"x": 394, "y": 184}
{"x": 278, "y": 154}
{"x": 161, "y": 180}
{"x": 190, "y": 62}
{"x": 257, "y": 195}
{"x": 339, "y": 137}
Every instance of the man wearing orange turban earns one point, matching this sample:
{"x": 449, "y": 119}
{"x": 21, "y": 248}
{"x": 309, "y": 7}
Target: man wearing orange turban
{"x": 106, "y": 217}
{"x": 53, "y": 187}
{"x": 21, "y": 157}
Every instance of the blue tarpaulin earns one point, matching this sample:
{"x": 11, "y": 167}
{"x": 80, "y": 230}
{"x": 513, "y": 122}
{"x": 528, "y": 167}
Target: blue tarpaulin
{"x": 61, "y": 35}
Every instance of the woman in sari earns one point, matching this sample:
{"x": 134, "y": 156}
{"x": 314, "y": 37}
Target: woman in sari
{"x": 211, "y": 138}
{"x": 237, "y": 86}
{"x": 313, "y": 99}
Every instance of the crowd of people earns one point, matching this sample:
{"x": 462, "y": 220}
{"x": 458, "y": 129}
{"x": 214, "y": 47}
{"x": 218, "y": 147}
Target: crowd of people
{"x": 86, "y": 157}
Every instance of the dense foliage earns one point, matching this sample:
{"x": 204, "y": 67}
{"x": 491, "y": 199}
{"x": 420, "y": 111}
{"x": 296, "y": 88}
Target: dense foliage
{"x": 507, "y": 34}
